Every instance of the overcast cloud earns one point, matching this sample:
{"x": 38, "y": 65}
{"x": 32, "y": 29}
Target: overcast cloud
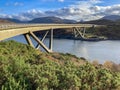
{"x": 82, "y": 10}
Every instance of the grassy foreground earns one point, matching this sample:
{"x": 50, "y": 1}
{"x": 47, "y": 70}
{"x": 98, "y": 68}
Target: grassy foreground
{"x": 24, "y": 68}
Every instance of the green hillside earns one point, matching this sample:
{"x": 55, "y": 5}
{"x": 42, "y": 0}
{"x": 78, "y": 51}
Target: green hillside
{"x": 24, "y": 68}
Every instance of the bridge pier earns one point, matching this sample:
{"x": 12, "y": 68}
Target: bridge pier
{"x": 84, "y": 31}
{"x": 40, "y": 42}
{"x": 51, "y": 40}
{"x": 38, "y": 45}
{"x": 79, "y": 32}
{"x": 29, "y": 41}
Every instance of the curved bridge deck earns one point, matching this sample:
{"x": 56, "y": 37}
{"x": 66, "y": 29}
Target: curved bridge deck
{"x": 11, "y": 30}
{"x": 7, "y": 31}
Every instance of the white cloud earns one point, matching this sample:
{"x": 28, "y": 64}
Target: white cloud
{"x": 31, "y": 14}
{"x": 53, "y": 0}
{"x": 18, "y": 4}
{"x": 61, "y": 0}
{"x": 82, "y": 10}
{"x": 14, "y": 4}
{"x": 5, "y": 16}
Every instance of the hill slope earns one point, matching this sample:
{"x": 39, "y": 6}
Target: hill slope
{"x": 112, "y": 17}
{"x": 15, "y": 20}
{"x": 24, "y": 68}
{"x": 3, "y": 21}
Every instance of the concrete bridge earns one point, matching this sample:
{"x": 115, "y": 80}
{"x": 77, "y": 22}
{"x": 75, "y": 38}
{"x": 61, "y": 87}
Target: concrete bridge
{"x": 11, "y": 30}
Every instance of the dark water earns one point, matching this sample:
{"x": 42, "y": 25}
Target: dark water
{"x": 101, "y": 51}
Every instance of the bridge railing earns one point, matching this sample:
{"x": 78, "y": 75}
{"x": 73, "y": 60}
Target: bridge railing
{"x": 12, "y": 26}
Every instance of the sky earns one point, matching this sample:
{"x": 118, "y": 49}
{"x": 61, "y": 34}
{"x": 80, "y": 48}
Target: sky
{"x": 66, "y": 9}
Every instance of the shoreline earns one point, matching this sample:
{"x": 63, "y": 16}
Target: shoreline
{"x": 71, "y": 38}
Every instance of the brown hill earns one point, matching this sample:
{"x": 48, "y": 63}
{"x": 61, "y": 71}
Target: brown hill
{"x": 2, "y": 21}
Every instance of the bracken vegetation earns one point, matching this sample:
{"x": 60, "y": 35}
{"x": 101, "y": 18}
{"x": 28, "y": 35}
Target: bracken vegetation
{"x": 24, "y": 68}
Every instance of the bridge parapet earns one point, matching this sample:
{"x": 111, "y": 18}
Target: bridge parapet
{"x": 11, "y": 26}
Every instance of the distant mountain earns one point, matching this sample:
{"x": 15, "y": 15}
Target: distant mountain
{"x": 3, "y": 21}
{"x": 41, "y": 20}
{"x": 15, "y": 20}
{"x": 112, "y": 17}
{"x": 106, "y": 20}
{"x": 69, "y": 21}
{"x": 51, "y": 20}
{"x": 99, "y": 22}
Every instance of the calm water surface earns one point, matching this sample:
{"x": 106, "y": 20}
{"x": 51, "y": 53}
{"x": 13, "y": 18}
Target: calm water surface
{"x": 101, "y": 51}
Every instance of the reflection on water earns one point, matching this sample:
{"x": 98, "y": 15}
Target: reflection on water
{"x": 101, "y": 51}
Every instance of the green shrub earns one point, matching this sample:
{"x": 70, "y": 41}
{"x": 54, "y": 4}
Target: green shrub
{"x": 29, "y": 69}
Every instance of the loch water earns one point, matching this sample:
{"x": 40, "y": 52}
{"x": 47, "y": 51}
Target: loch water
{"x": 108, "y": 50}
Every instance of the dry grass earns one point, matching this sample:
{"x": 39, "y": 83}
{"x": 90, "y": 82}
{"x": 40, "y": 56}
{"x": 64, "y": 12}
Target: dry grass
{"x": 62, "y": 58}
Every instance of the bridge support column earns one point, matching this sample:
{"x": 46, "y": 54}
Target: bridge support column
{"x": 40, "y": 42}
{"x": 84, "y": 31}
{"x": 27, "y": 37}
{"x": 38, "y": 45}
{"x": 77, "y": 32}
{"x": 51, "y": 40}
